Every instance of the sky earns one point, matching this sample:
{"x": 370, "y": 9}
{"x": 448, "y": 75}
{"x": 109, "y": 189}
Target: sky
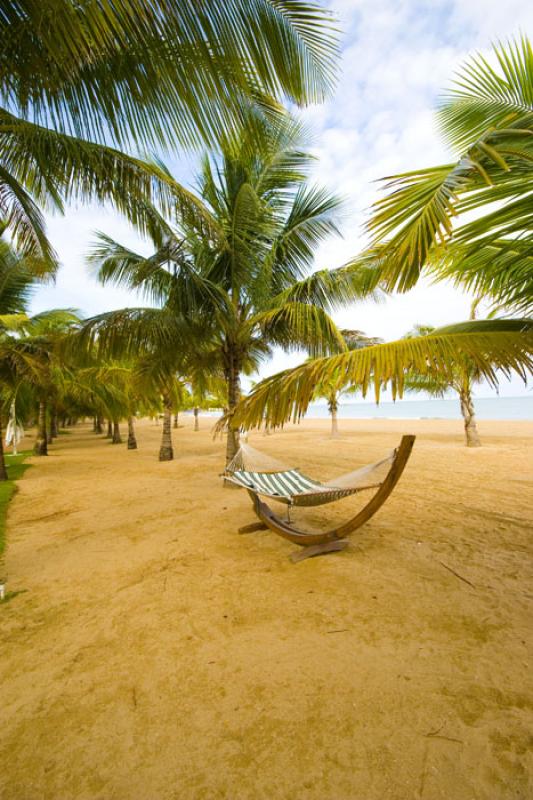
{"x": 398, "y": 56}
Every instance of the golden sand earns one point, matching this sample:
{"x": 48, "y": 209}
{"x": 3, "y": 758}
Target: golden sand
{"x": 155, "y": 654}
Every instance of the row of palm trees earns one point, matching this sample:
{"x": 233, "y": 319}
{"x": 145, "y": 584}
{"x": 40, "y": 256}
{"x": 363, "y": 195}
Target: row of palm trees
{"x": 229, "y": 279}
{"x": 47, "y": 379}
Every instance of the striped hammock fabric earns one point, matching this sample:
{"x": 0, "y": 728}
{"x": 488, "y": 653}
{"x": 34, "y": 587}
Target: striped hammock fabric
{"x": 290, "y": 487}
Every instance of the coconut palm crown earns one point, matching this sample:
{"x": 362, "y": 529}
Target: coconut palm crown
{"x": 244, "y": 288}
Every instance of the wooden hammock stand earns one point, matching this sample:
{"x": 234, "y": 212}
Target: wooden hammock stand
{"x": 318, "y": 543}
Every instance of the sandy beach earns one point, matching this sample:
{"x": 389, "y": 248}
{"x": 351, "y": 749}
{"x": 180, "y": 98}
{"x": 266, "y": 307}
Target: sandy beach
{"x": 154, "y": 653}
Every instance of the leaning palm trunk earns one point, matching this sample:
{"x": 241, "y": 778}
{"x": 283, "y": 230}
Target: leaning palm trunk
{"x": 54, "y": 424}
{"x": 3, "y": 470}
{"x": 234, "y": 393}
{"x": 333, "y": 408}
{"x": 196, "y": 422}
{"x": 41, "y": 444}
{"x": 109, "y": 434}
{"x": 99, "y": 425}
{"x": 132, "y": 440}
{"x": 468, "y": 412}
{"x": 117, "y": 438}
{"x": 166, "y": 452}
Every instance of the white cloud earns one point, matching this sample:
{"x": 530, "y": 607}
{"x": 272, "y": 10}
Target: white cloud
{"x": 398, "y": 56}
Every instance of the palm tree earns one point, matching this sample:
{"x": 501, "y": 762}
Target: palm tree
{"x": 42, "y": 336}
{"x": 243, "y": 288}
{"x": 205, "y": 391}
{"x": 462, "y": 376}
{"x": 332, "y": 389}
{"x": 488, "y": 119}
{"x": 79, "y": 80}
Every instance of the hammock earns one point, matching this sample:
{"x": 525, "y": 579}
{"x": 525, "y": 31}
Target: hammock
{"x": 270, "y": 478}
{"x": 263, "y": 476}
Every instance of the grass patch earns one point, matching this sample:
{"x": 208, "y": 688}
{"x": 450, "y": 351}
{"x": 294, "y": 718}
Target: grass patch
{"x": 15, "y": 470}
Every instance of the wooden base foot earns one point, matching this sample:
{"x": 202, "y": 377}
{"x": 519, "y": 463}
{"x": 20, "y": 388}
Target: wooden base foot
{"x": 255, "y": 526}
{"x": 318, "y": 550}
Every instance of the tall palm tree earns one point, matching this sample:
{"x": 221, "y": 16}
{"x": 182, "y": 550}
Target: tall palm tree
{"x": 487, "y": 118}
{"x": 79, "y": 80}
{"x": 243, "y": 287}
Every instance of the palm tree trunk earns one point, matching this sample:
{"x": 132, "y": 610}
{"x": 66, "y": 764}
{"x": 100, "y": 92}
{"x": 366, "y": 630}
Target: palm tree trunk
{"x": 175, "y": 421}
{"x": 49, "y": 426}
{"x": 109, "y": 434}
{"x": 41, "y": 444}
{"x": 132, "y": 441}
{"x": 3, "y": 470}
{"x": 54, "y": 426}
{"x": 196, "y": 423}
{"x": 468, "y": 412}
{"x": 99, "y": 425}
{"x": 117, "y": 438}
{"x": 166, "y": 452}
{"x": 234, "y": 392}
{"x": 333, "y": 408}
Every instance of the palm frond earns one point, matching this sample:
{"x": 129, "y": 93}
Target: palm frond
{"x": 299, "y": 326}
{"x": 490, "y": 114}
{"x": 314, "y": 215}
{"x": 125, "y": 73}
{"x": 21, "y": 216}
{"x": 501, "y": 269}
{"x": 133, "y": 332}
{"x": 484, "y": 96}
{"x": 332, "y": 289}
{"x": 55, "y": 167}
{"x": 490, "y": 345}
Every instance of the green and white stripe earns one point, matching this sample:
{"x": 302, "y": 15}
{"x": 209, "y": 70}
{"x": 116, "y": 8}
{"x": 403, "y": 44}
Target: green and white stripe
{"x": 276, "y": 484}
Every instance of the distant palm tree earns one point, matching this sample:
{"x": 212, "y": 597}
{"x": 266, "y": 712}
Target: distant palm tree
{"x": 78, "y": 80}
{"x": 206, "y": 391}
{"x": 488, "y": 119}
{"x": 40, "y": 340}
{"x": 332, "y": 388}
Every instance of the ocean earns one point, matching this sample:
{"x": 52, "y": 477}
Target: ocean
{"x": 511, "y": 408}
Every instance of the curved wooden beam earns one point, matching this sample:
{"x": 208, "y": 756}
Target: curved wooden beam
{"x": 304, "y": 538}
